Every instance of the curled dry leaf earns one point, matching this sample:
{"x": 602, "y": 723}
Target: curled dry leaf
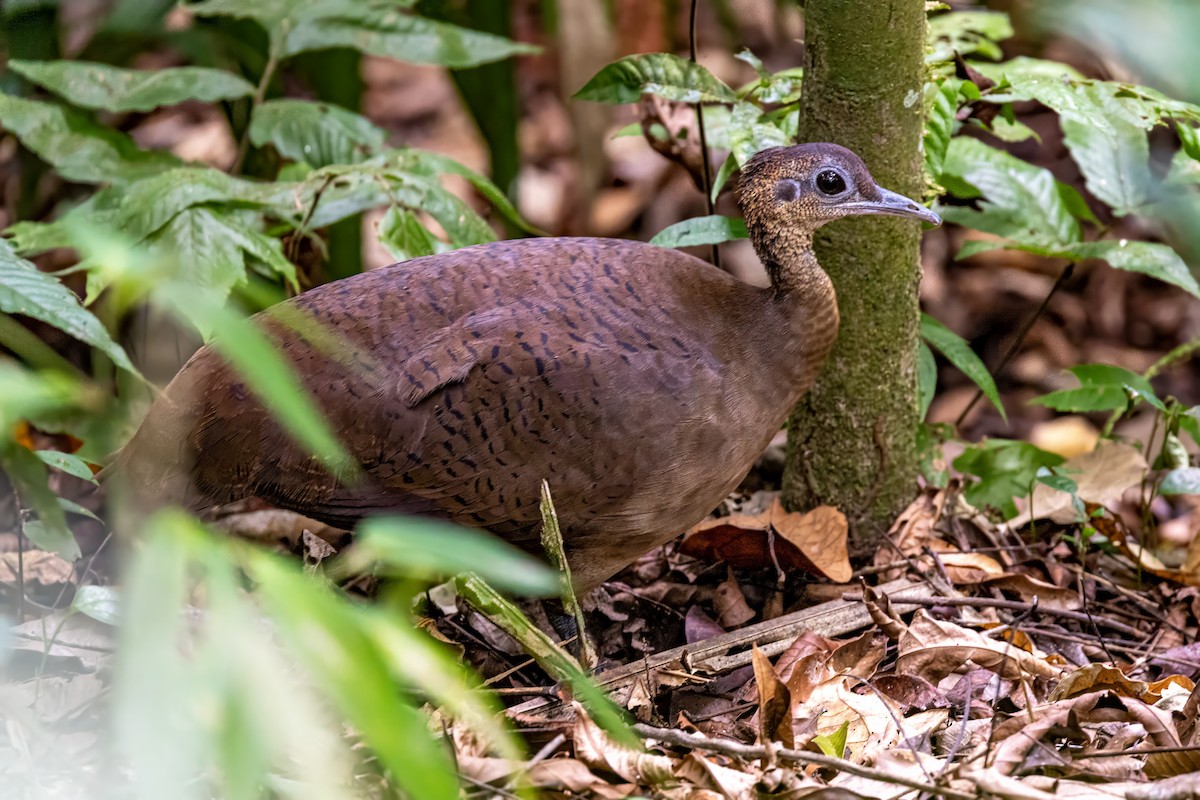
{"x": 1101, "y": 477}
{"x": 935, "y": 648}
{"x": 1047, "y": 594}
{"x": 774, "y": 703}
{"x": 880, "y": 608}
{"x": 732, "y": 784}
{"x": 814, "y": 541}
{"x": 968, "y": 568}
{"x": 731, "y": 606}
{"x": 1102, "y": 677}
{"x": 871, "y": 718}
{"x": 595, "y": 749}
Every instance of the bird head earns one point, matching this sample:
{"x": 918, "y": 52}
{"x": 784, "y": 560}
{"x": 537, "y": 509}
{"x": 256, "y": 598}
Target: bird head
{"x": 805, "y": 186}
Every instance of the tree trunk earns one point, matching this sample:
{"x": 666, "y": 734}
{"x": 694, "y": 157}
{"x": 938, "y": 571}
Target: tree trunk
{"x": 852, "y": 440}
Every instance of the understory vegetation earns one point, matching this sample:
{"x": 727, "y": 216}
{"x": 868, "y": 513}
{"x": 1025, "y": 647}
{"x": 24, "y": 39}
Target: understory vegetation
{"x": 225, "y": 669}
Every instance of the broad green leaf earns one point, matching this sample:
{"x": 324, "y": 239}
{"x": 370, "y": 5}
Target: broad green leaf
{"x": 315, "y": 133}
{"x": 108, "y": 88}
{"x": 940, "y": 124}
{"x": 966, "y": 33}
{"x": 1021, "y": 201}
{"x": 149, "y": 204}
{"x": 26, "y": 290}
{"x": 379, "y": 29}
{"x": 79, "y": 149}
{"x": 28, "y": 475}
{"x": 425, "y": 548}
{"x": 402, "y": 233}
{"x": 1185, "y": 480}
{"x": 834, "y": 744}
{"x": 435, "y": 165}
{"x": 1102, "y": 387}
{"x": 376, "y": 27}
{"x": 959, "y": 353}
{"x": 701, "y": 230}
{"x": 662, "y": 74}
{"x": 332, "y": 645}
{"x": 1149, "y": 258}
{"x": 926, "y": 377}
{"x": 751, "y": 132}
{"x": 68, "y": 463}
{"x": 1003, "y": 470}
{"x": 101, "y": 603}
{"x": 38, "y": 395}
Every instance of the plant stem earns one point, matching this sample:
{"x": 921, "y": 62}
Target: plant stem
{"x": 260, "y": 93}
{"x": 715, "y": 255}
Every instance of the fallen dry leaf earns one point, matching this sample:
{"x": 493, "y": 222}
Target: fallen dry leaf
{"x": 1101, "y": 477}
{"x": 730, "y": 604}
{"x": 595, "y": 749}
{"x": 774, "y": 703}
{"x": 813, "y": 541}
{"x": 935, "y": 648}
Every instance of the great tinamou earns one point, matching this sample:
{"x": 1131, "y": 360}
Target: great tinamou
{"x": 641, "y": 382}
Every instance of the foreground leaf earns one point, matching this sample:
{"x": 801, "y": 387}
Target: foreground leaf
{"x": 107, "y": 88}
{"x": 317, "y": 134}
{"x": 959, "y": 353}
{"x": 26, "y": 290}
{"x": 662, "y": 74}
{"x": 701, "y": 230}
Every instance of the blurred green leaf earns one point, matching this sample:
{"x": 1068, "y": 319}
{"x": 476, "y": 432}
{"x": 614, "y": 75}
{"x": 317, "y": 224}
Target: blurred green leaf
{"x": 662, "y": 74}
{"x": 926, "y": 377}
{"x": 967, "y": 33}
{"x": 332, "y": 646}
{"x": 1149, "y": 258}
{"x": 1020, "y": 201}
{"x": 107, "y": 88}
{"x": 423, "y": 548}
{"x": 65, "y": 462}
{"x": 26, "y": 290}
{"x": 315, "y": 133}
{"x": 101, "y": 603}
{"x": 31, "y": 480}
{"x": 1004, "y": 469}
{"x": 1185, "y": 480}
{"x": 750, "y": 132}
{"x": 1102, "y": 387}
{"x": 959, "y": 353}
{"x": 79, "y": 149}
{"x": 701, "y": 230}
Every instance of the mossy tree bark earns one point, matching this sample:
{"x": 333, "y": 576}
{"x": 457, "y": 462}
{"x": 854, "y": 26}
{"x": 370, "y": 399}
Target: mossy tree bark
{"x": 852, "y": 440}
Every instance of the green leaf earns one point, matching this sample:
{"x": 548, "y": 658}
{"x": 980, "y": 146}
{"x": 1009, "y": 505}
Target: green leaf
{"x": 79, "y": 149}
{"x": 315, "y": 133}
{"x": 108, "y": 88}
{"x": 701, "y": 230}
{"x": 1102, "y": 387}
{"x": 940, "y": 124}
{"x": 959, "y": 353}
{"x": 36, "y": 395}
{"x": 404, "y": 236}
{"x": 68, "y": 463}
{"x": 101, "y": 603}
{"x": 966, "y": 33}
{"x": 425, "y": 548}
{"x": 28, "y": 475}
{"x": 1185, "y": 480}
{"x": 1149, "y": 258}
{"x": 1004, "y": 470}
{"x": 434, "y": 165}
{"x": 1021, "y": 201}
{"x": 379, "y": 29}
{"x": 662, "y": 74}
{"x": 24, "y": 289}
{"x": 331, "y": 645}
{"x": 834, "y": 744}
{"x": 750, "y": 132}
{"x": 926, "y": 377}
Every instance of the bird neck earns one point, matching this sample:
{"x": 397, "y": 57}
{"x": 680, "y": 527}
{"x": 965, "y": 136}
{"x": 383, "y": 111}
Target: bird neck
{"x": 791, "y": 264}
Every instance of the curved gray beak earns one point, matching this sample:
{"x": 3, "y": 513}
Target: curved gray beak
{"x": 894, "y": 205}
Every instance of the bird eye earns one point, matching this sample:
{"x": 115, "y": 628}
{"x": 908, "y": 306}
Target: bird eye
{"x": 830, "y": 183}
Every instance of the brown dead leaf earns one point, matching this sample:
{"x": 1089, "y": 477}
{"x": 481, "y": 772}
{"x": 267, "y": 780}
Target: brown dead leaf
{"x": 595, "y": 749}
{"x": 1101, "y": 476}
{"x": 910, "y": 691}
{"x": 814, "y": 541}
{"x": 732, "y": 784}
{"x": 1096, "y": 678}
{"x": 913, "y": 529}
{"x": 41, "y": 567}
{"x": 968, "y": 568}
{"x": 730, "y": 604}
{"x": 880, "y": 608}
{"x": 774, "y": 703}
{"x": 1047, "y": 594}
{"x": 935, "y": 648}
{"x": 870, "y": 718}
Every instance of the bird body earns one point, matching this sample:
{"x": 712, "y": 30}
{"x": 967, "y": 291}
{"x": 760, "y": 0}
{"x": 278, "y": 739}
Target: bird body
{"x": 641, "y": 383}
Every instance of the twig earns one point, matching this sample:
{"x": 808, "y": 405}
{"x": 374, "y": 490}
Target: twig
{"x": 704, "y": 156}
{"x": 1016, "y": 605}
{"x": 753, "y": 752}
{"x": 1063, "y": 277}
{"x": 260, "y": 94}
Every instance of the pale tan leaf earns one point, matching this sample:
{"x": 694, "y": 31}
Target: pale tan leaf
{"x": 1047, "y": 594}
{"x": 970, "y": 567}
{"x": 732, "y": 784}
{"x": 820, "y": 535}
{"x": 774, "y": 702}
{"x": 595, "y": 749}
{"x": 1101, "y": 476}
{"x": 730, "y": 604}
{"x": 935, "y": 648}
{"x": 870, "y": 718}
